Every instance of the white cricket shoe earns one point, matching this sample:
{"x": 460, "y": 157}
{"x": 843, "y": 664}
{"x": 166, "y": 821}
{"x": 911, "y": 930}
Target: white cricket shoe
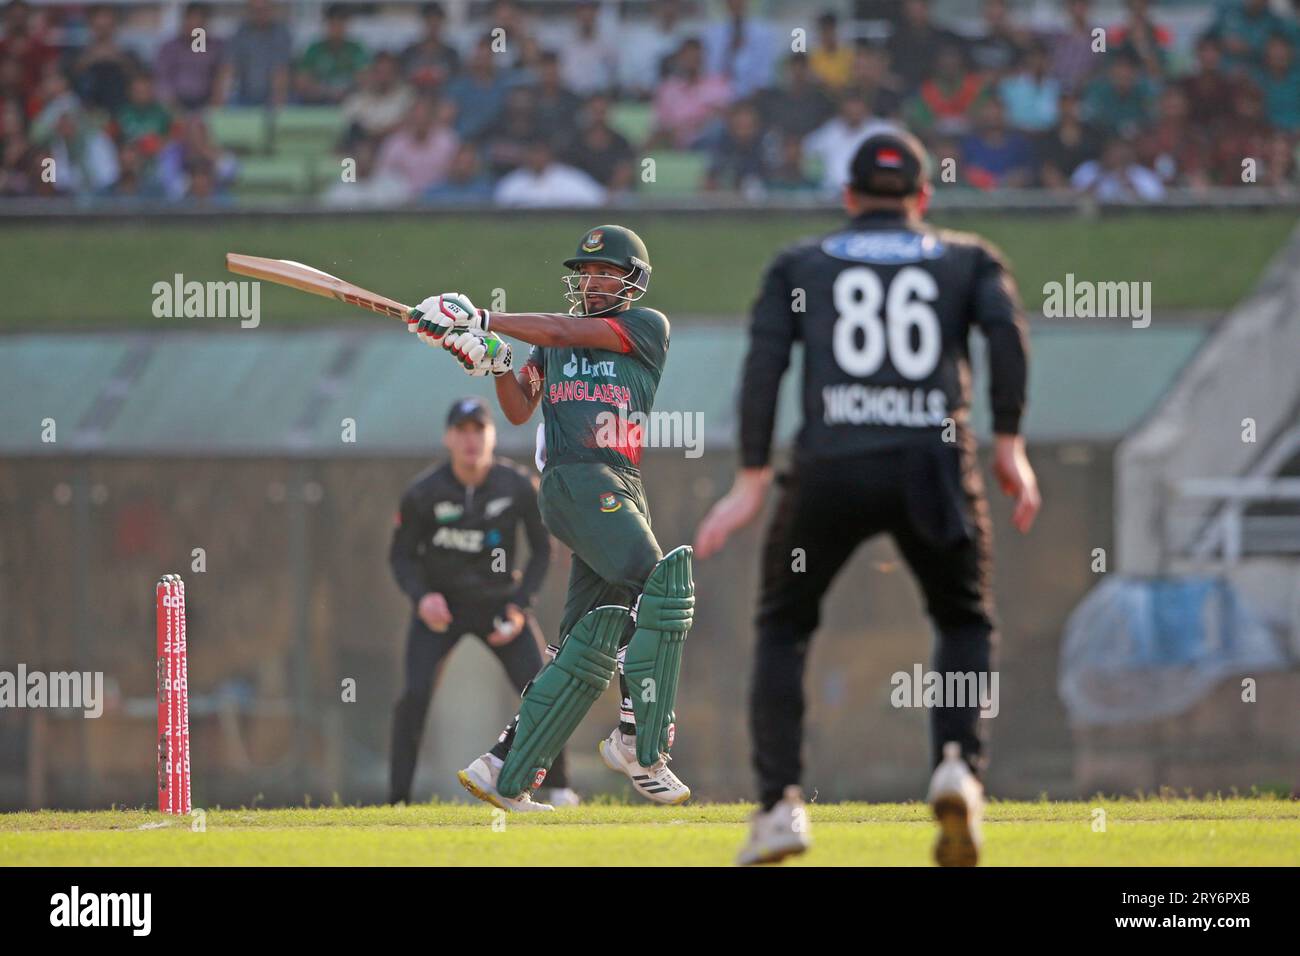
{"x": 480, "y": 779}
{"x": 563, "y": 797}
{"x": 656, "y": 783}
{"x": 783, "y": 831}
{"x": 957, "y": 797}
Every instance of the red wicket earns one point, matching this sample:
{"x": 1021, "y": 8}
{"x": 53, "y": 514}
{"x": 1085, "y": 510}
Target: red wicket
{"x": 173, "y": 698}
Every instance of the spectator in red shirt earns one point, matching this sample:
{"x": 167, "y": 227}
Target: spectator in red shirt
{"x": 16, "y": 154}
{"x": 1175, "y": 147}
{"x": 1244, "y": 135}
{"x": 946, "y": 102}
{"x": 1211, "y": 90}
{"x": 22, "y": 42}
{"x": 1143, "y": 37}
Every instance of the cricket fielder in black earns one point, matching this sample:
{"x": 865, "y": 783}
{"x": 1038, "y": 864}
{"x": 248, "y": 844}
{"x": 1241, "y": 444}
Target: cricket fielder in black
{"x": 453, "y": 554}
{"x": 595, "y": 372}
{"x": 884, "y": 307}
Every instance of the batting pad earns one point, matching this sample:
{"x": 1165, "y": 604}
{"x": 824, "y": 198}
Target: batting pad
{"x": 560, "y": 696}
{"x": 653, "y": 660}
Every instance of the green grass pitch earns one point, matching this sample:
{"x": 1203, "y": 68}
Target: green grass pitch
{"x": 1152, "y": 832}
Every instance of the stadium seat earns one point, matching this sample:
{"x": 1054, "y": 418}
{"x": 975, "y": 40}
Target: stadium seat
{"x": 243, "y": 129}
{"x": 273, "y": 176}
{"x": 633, "y": 120}
{"x": 677, "y": 173}
{"x": 307, "y": 130}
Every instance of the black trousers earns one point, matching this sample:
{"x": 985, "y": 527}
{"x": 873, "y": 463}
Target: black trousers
{"x": 426, "y": 651}
{"x": 930, "y": 499}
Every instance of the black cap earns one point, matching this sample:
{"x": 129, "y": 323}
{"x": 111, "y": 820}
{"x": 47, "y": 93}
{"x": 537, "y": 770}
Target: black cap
{"x": 469, "y": 409}
{"x": 888, "y": 164}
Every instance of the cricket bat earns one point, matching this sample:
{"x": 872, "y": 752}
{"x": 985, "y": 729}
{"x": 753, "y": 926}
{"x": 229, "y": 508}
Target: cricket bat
{"x": 295, "y": 275}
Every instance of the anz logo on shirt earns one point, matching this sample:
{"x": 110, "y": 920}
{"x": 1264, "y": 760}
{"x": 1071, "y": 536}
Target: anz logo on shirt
{"x": 596, "y": 369}
{"x": 882, "y": 248}
{"x": 469, "y": 540}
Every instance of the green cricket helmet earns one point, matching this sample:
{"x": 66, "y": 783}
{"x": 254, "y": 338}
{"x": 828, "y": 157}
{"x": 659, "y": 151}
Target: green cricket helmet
{"x": 617, "y": 246}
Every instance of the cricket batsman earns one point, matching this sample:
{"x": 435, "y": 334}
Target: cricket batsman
{"x": 885, "y": 447}
{"x": 629, "y": 607}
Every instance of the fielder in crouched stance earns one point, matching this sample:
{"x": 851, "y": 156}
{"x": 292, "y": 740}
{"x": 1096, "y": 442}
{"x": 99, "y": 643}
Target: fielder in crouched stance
{"x": 629, "y": 606}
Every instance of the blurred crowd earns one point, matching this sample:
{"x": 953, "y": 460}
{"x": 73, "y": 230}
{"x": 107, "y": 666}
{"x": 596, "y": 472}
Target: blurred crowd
{"x": 521, "y": 109}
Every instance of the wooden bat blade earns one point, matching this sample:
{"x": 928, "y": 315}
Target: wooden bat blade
{"x": 304, "y": 278}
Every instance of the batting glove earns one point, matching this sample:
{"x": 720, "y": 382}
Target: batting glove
{"x": 479, "y": 354}
{"x": 438, "y": 315}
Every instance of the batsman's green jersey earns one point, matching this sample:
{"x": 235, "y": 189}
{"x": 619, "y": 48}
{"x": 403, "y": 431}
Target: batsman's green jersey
{"x": 595, "y": 403}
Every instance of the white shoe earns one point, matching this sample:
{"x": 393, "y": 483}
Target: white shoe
{"x": 957, "y": 797}
{"x": 563, "y": 797}
{"x": 656, "y": 783}
{"x": 480, "y": 778}
{"x": 775, "y": 834}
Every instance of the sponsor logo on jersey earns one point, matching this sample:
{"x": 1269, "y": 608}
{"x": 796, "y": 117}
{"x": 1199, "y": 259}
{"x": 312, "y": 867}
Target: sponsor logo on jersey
{"x": 496, "y": 506}
{"x": 459, "y": 539}
{"x": 575, "y": 366}
{"x": 883, "y": 248}
{"x": 595, "y": 241}
{"x": 608, "y": 502}
{"x": 445, "y": 511}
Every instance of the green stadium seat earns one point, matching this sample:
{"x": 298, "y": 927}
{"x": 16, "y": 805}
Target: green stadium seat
{"x": 677, "y": 173}
{"x": 633, "y": 120}
{"x": 243, "y": 129}
{"x": 304, "y": 130}
{"x": 323, "y": 169}
{"x": 273, "y": 175}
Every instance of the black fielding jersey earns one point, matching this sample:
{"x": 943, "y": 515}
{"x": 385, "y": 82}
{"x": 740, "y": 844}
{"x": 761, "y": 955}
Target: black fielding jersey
{"x": 884, "y": 308}
{"x": 449, "y": 536}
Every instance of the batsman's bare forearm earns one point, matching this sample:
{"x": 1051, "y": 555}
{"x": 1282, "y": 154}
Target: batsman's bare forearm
{"x": 516, "y": 397}
{"x": 554, "y": 330}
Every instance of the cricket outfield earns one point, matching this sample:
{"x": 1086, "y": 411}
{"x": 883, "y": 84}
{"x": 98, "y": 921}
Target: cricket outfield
{"x": 1236, "y": 831}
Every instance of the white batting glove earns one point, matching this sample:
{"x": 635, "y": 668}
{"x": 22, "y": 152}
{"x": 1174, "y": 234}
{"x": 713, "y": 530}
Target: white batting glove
{"x": 479, "y": 354}
{"x": 440, "y": 314}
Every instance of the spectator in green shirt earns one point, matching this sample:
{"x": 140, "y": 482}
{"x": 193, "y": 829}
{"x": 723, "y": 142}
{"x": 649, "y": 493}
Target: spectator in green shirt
{"x": 143, "y": 116}
{"x": 328, "y": 70}
{"x": 1243, "y": 28}
{"x": 1279, "y": 79}
{"x": 1120, "y": 102}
